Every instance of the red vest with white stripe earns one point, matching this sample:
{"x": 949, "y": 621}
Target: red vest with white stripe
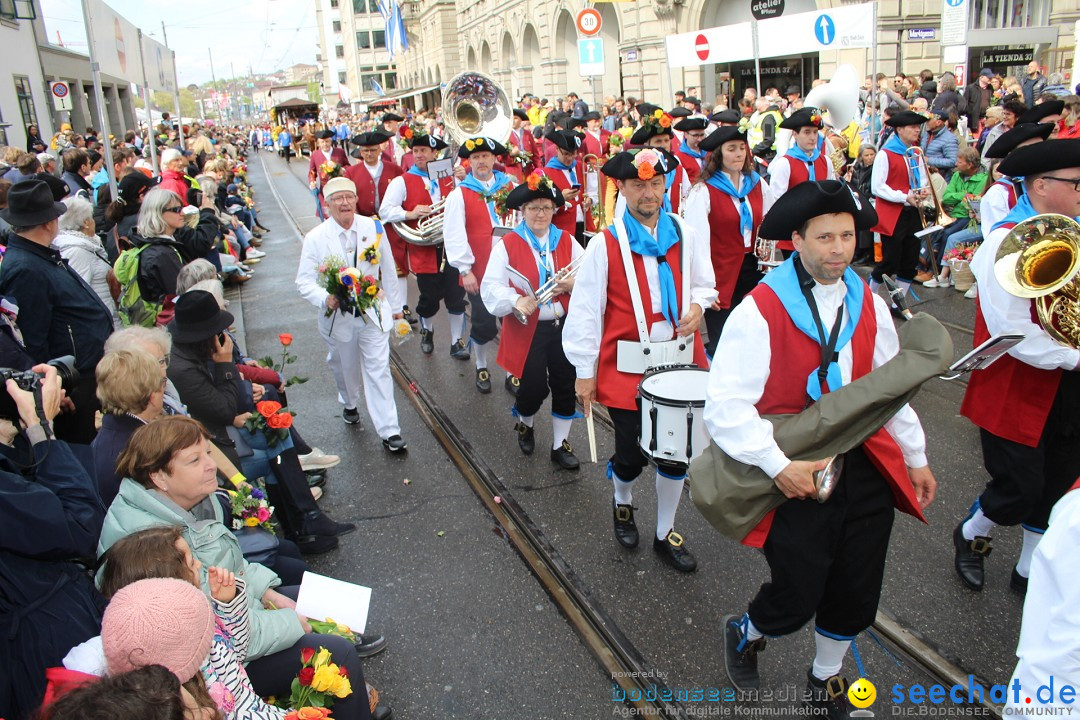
{"x": 726, "y": 242}
{"x": 528, "y": 144}
{"x": 367, "y": 204}
{"x": 566, "y": 216}
{"x": 888, "y": 211}
{"x": 1010, "y": 399}
{"x": 785, "y": 392}
{"x": 690, "y": 163}
{"x": 478, "y": 228}
{"x": 799, "y": 173}
{"x": 615, "y": 388}
{"x": 422, "y": 259}
{"x": 517, "y": 338}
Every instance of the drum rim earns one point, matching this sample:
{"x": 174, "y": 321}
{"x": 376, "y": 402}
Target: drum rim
{"x": 646, "y": 395}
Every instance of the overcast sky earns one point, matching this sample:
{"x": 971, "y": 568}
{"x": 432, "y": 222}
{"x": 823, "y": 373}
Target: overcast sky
{"x": 266, "y": 34}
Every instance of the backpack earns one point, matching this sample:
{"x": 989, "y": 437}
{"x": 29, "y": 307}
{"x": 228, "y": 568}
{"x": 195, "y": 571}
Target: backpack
{"x": 133, "y": 308}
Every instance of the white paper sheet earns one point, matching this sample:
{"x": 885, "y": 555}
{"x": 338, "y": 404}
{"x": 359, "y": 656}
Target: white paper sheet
{"x": 323, "y": 597}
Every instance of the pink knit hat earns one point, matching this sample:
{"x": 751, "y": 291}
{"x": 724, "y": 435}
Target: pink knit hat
{"x": 160, "y": 621}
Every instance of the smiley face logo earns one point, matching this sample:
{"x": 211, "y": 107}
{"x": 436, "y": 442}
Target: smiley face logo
{"x": 862, "y": 693}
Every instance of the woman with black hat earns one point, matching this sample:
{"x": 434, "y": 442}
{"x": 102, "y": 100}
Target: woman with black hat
{"x": 567, "y": 172}
{"x": 690, "y": 153}
{"x": 538, "y": 251}
{"x": 728, "y": 202}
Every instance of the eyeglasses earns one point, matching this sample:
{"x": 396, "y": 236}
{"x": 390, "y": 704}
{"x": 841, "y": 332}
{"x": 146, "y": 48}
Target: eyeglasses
{"x": 345, "y": 198}
{"x": 177, "y": 209}
{"x": 1074, "y": 181}
{"x": 542, "y": 210}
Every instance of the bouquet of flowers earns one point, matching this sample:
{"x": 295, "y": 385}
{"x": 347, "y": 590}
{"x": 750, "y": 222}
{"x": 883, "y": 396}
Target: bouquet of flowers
{"x": 365, "y": 290}
{"x": 659, "y": 119}
{"x": 272, "y": 420}
{"x": 406, "y": 134}
{"x": 402, "y": 330}
{"x": 330, "y": 280}
{"x": 286, "y": 339}
{"x": 319, "y": 682}
{"x": 371, "y": 253}
{"x": 499, "y": 198}
{"x": 250, "y": 508}
{"x": 962, "y": 252}
{"x": 330, "y": 170}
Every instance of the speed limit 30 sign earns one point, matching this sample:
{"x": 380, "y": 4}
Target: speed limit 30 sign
{"x": 588, "y": 22}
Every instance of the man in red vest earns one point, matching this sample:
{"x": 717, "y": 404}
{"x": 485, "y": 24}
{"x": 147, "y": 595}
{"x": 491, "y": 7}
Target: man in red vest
{"x": 323, "y": 158}
{"x": 391, "y": 122}
{"x": 568, "y": 174}
{"x": 468, "y": 235}
{"x": 653, "y": 134}
{"x": 409, "y": 198}
{"x": 804, "y": 160}
{"x": 596, "y": 138}
{"x": 1027, "y": 404}
{"x": 827, "y": 559}
{"x": 522, "y": 158}
{"x": 621, "y": 324}
{"x": 371, "y": 176}
{"x": 538, "y": 252}
{"x": 898, "y": 203}
{"x": 689, "y": 152}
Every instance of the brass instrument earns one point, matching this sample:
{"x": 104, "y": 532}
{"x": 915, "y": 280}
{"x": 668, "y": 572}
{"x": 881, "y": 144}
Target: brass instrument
{"x": 546, "y": 292}
{"x": 593, "y": 183}
{"x": 919, "y": 182}
{"x": 473, "y": 105}
{"x": 1040, "y": 259}
{"x": 839, "y": 101}
{"x": 768, "y": 254}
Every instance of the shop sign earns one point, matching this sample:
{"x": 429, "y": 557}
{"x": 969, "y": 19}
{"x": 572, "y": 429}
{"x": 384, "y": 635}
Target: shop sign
{"x": 764, "y": 9}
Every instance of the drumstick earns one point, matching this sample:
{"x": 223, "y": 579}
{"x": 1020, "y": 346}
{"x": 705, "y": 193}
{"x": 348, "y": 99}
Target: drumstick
{"x": 592, "y": 434}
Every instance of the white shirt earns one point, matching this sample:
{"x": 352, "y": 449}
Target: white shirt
{"x": 879, "y": 175}
{"x": 780, "y": 173}
{"x": 585, "y": 320}
{"x": 741, "y": 368}
{"x": 496, "y": 291}
{"x": 699, "y": 209}
{"x": 390, "y": 209}
{"x": 994, "y": 207}
{"x": 1003, "y": 312}
{"x": 1049, "y": 647}
{"x": 455, "y": 240}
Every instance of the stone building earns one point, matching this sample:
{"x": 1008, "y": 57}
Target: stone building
{"x": 353, "y": 52}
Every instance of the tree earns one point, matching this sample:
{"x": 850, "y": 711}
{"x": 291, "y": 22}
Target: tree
{"x": 314, "y": 92}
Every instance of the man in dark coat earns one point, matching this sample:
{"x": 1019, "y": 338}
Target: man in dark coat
{"x": 977, "y": 98}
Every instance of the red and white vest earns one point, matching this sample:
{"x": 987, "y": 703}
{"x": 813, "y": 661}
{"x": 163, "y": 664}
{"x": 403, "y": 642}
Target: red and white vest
{"x": 726, "y": 242}
{"x": 691, "y": 164}
{"x": 517, "y": 338}
{"x": 566, "y": 216}
{"x": 798, "y": 173}
{"x": 367, "y": 204}
{"x": 785, "y": 392}
{"x": 888, "y": 211}
{"x": 478, "y": 228}
{"x": 422, "y": 259}
{"x": 615, "y": 388}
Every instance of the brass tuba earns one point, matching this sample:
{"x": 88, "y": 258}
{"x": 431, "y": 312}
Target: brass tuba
{"x": 839, "y": 99}
{"x": 1040, "y": 259}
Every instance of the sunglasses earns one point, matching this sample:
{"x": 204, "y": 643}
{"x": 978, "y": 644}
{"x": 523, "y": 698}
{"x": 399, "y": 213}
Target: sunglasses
{"x": 176, "y": 209}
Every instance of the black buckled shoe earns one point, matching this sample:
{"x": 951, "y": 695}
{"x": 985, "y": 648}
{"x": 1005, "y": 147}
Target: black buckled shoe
{"x": 351, "y": 416}
{"x": 672, "y": 550}
{"x": 317, "y": 522}
{"x": 1018, "y": 582}
{"x": 526, "y": 440}
{"x": 625, "y": 527}
{"x": 427, "y": 341}
{"x": 512, "y": 385}
{"x": 483, "y": 380}
{"x": 368, "y": 644}
{"x": 314, "y": 544}
{"x": 563, "y": 456}
{"x": 315, "y": 478}
{"x": 382, "y": 712}
{"x": 460, "y": 350}
{"x": 740, "y": 655}
{"x": 970, "y": 557}
{"x": 828, "y": 698}
{"x": 394, "y": 443}
{"x": 409, "y": 316}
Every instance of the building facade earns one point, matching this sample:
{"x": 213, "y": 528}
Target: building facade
{"x": 356, "y": 68}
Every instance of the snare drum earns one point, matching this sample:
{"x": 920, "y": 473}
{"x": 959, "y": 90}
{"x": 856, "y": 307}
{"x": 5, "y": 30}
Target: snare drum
{"x": 672, "y": 414}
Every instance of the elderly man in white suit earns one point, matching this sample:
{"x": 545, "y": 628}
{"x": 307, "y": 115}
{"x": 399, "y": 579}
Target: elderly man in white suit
{"x": 359, "y": 342}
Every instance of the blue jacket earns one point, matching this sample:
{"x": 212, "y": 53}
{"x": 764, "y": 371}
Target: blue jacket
{"x": 284, "y": 138}
{"x": 52, "y": 516}
{"x": 941, "y": 148}
{"x": 110, "y": 441}
{"x": 59, "y": 314}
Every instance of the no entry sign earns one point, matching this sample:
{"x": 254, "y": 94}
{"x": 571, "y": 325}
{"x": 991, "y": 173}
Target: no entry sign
{"x": 701, "y": 47}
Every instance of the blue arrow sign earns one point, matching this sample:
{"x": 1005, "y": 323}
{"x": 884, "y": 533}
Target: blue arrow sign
{"x": 825, "y": 29}
{"x": 591, "y": 56}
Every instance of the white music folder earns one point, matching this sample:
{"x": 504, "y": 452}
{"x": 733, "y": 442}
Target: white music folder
{"x": 324, "y": 597}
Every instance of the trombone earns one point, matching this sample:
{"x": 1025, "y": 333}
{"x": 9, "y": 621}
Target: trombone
{"x": 919, "y": 181}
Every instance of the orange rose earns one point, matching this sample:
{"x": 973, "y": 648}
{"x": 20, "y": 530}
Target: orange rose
{"x": 645, "y": 171}
{"x": 280, "y": 421}
{"x": 268, "y": 407}
{"x": 311, "y": 713}
{"x": 285, "y": 339}
{"x": 534, "y": 181}
{"x": 665, "y": 121}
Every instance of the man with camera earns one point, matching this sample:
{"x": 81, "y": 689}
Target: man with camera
{"x": 52, "y": 518}
{"x": 59, "y": 314}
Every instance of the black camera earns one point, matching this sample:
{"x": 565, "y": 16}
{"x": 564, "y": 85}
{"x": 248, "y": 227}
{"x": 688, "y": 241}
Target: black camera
{"x": 29, "y": 380}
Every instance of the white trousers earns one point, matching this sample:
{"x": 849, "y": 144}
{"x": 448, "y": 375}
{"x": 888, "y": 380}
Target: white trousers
{"x": 366, "y": 354}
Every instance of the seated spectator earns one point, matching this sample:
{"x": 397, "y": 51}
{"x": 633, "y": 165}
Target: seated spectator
{"x": 1068, "y": 127}
{"x": 26, "y": 167}
{"x": 51, "y": 519}
{"x": 123, "y": 213}
{"x": 173, "y": 167}
{"x": 48, "y": 162}
{"x": 968, "y": 180}
{"x": 81, "y": 247}
{"x": 59, "y": 314}
{"x": 151, "y": 692}
{"x": 169, "y": 480}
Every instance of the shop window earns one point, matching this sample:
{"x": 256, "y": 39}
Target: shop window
{"x": 341, "y": 78}
{"x": 379, "y": 38}
{"x": 26, "y": 100}
{"x": 333, "y": 3}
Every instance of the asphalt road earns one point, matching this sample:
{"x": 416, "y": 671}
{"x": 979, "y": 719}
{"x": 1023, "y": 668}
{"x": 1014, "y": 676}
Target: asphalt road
{"x": 472, "y": 633}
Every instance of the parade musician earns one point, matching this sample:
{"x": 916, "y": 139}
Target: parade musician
{"x": 567, "y": 172}
{"x": 804, "y": 160}
{"x": 521, "y": 143}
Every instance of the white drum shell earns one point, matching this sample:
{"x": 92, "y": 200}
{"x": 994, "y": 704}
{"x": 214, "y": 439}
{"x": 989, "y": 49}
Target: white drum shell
{"x": 672, "y": 393}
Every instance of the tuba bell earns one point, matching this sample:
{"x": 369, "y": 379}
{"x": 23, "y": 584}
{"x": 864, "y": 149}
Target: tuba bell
{"x": 838, "y": 100}
{"x": 1040, "y": 259}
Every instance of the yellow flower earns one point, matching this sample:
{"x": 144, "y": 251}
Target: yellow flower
{"x": 321, "y": 658}
{"x": 251, "y": 522}
{"x": 470, "y": 145}
{"x": 658, "y": 113}
{"x": 342, "y": 688}
{"x": 480, "y": 142}
{"x": 326, "y": 678}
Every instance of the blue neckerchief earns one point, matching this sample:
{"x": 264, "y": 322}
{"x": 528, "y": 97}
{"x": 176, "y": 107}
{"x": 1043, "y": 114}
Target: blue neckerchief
{"x": 641, "y": 242}
{"x": 685, "y": 149}
{"x": 1020, "y": 212}
{"x": 554, "y": 236}
{"x": 784, "y": 281}
{"x": 433, "y": 187}
{"x": 799, "y": 154}
{"x": 669, "y": 179}
{"x": 722, "y": 182}
{"x": 476, "y": 186}
{"x": 558, "y": 164}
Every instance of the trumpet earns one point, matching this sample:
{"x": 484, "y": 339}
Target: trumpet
{"x": 592, "y": 190}
{"x": 546, "y": 292}
{"x": 768, "y": 255}
{"x": 428, "y": 231}
{"x": 919, "y": 181}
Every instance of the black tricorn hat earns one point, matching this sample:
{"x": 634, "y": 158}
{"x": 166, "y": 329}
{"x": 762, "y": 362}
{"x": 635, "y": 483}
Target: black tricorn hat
{"x": 644, "y": 133}
{"x": 519, "y": 113}
{"x": 1021, "y": 132}
{"x": 591, "y": 115}
{"x": 544, "y": 191}
{"x": 375, "y": 137}
{"x": 905, "y": 118}
{"x": 1035, "y": 159}
{"x": 198, "y": 317}
{"x": 566, "y": 139}
{"x": 807, "y": 200}
{"x": 427, "y": 141}
{"x": 721, "y": 135}
{"x": 1041, "y": 111}
{"x": 804, "y": 117}
{"x": 481, "y": 144}
{"x": 31, "y": 203}
{"x": 680, "y": 112}
{"x": 726, "y": 117}
{"x": 392, "y": 117}
{"x": 326, "y": 135}
{"x": 629, "y": 164}
{"x": 692, "y": 123}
